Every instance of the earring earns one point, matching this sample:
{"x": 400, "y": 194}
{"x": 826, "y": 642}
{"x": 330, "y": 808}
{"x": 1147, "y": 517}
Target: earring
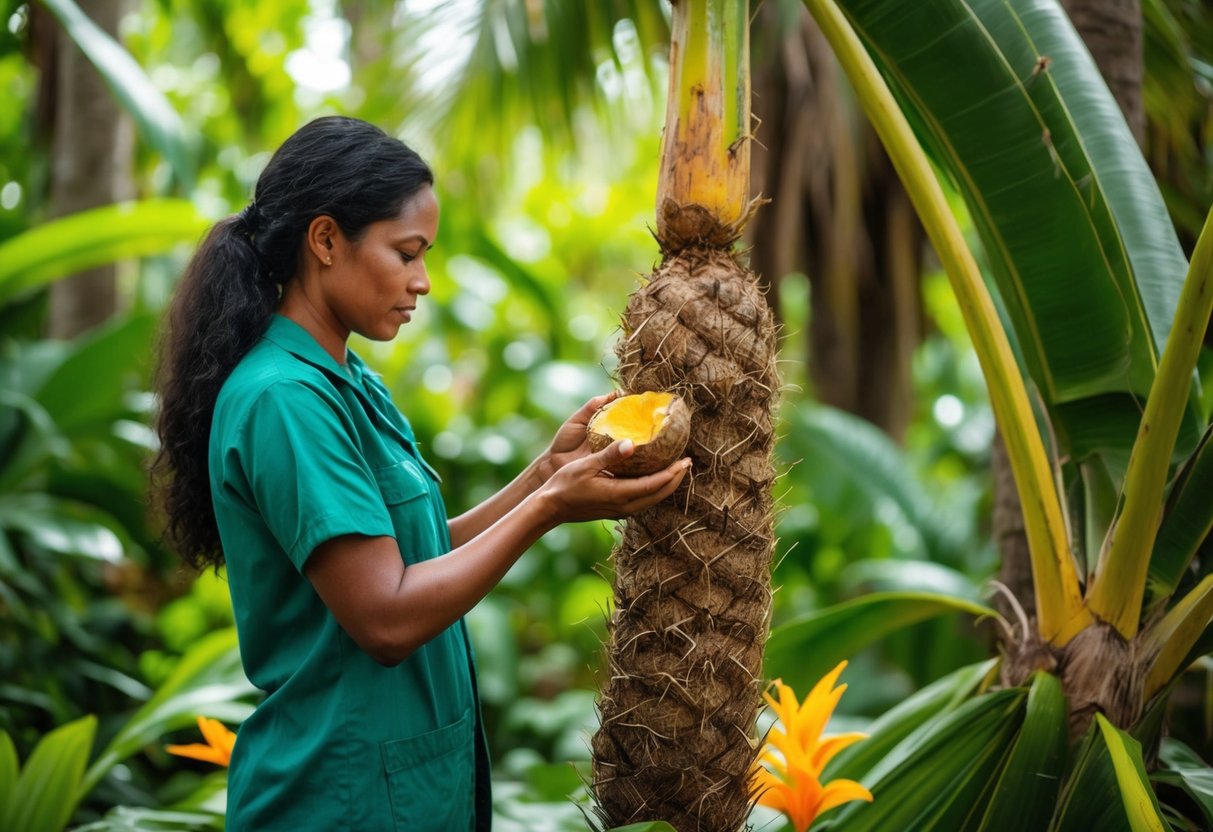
{"x": 328, "y": 261}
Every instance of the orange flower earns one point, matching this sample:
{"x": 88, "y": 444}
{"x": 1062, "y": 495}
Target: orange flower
{"x": 789, "y": 781}
{"x": 218, "y": 748}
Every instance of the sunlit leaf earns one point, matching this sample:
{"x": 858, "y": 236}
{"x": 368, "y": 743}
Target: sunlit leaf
{"x": 92, "y": 238}
{"x": 1090, "y": 283}
{"x": 1107, "y": 789}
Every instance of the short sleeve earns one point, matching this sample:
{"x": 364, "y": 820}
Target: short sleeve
{"x": 306, "y": 472}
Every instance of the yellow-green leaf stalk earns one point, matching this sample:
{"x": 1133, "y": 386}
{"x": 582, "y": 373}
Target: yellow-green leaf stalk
{"x": 1120, "y": 578}
{"x": 704, "y": 181}
{"x": 1141, "y": 810}
{"x": 1060, "y": 609}
{"x": 1165, "y": 645}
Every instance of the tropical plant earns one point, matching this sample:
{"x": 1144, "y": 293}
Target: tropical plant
{"x": 42, "y": 794}
{"x": 1033, "y": 142}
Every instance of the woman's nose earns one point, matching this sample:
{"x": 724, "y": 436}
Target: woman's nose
{"x": 420, "y": 284}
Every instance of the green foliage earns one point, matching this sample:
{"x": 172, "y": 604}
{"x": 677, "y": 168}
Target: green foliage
{"x": 92, "y": 238}
{"x": 45, "y": 791}
{"x": 1107, "y": 788}
{"x": 542, "y": 238}
{"x": 802, "y": 651}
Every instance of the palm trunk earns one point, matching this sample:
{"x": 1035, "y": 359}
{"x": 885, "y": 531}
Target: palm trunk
{"x": 839, "y": 216}
{"x": 92, "y": 149}
{"x": 692, "y": 575}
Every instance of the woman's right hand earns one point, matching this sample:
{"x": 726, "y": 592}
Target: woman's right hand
{"x": 586, "y": 490}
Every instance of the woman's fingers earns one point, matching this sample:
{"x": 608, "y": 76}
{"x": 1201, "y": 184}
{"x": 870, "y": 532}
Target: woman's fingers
{"x": 612, "y": 454}
{"x": 642, "y": 492}
{"x": 591, "y": 407}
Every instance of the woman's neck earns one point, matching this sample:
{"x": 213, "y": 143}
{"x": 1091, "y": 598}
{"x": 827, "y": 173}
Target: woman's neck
{"x": 319, "y": 322}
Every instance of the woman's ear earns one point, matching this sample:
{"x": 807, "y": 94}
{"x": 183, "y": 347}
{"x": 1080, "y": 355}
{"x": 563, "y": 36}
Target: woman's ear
{"x": 324, "y": 239}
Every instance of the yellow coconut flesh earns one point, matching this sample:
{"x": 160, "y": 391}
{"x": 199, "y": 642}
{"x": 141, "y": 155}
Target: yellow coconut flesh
{"x": 658, "y": 424}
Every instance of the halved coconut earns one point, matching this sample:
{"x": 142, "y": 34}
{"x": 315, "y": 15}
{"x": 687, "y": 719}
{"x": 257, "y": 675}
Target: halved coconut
{"x": 659, "y": 424}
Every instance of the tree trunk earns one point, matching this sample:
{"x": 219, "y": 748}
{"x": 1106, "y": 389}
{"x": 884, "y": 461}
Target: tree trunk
{"x": 838, "y": 215}
{"x": 93, "y": 145}
{"x": 1112, "y": 30}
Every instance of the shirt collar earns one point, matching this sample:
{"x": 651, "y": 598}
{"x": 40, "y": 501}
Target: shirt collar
{"x": 298, "y": 342}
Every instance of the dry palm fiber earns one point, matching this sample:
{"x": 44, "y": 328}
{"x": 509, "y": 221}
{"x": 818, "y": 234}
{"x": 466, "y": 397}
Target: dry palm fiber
{"x": 692, "y": 575}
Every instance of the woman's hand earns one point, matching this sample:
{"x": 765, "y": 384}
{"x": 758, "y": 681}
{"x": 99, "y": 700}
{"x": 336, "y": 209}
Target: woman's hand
{"x": 570, "y": 442}
{"x": 584, "y": 489}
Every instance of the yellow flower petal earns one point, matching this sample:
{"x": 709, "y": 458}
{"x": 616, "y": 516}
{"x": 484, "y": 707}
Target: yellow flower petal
{"x": 218, "y": 748}
{"x": 198, "y": 751}
{"x": 831, "y": 746}
{"x": 217, "y": 735}
{"x": 842, "y": 791}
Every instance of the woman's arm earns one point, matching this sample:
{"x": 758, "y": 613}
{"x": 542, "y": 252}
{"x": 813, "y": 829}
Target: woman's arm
{"x": 568, "y": 446}
{"x": 390, "y": 610}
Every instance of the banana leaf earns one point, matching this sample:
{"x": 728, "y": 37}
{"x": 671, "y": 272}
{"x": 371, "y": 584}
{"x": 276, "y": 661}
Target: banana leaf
{"x": 1186, "y": 522}
{"x": 1006, "y": 98}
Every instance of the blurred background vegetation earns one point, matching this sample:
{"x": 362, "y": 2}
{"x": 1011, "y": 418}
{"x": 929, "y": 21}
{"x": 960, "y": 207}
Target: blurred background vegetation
{"x": 542, "y": 121}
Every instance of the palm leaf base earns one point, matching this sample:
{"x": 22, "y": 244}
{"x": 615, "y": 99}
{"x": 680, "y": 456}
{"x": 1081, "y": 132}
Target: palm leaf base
{"x": 1100, "y": 672}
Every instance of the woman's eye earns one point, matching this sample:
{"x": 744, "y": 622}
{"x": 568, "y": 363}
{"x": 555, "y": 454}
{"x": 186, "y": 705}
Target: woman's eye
{"x": 406, "y": 257}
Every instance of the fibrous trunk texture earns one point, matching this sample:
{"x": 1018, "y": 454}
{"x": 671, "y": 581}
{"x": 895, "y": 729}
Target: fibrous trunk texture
{"x": 692, "y": 574}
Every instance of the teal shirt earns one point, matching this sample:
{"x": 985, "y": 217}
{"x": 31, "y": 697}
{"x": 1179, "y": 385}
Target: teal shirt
{"x": 303, "y": 450}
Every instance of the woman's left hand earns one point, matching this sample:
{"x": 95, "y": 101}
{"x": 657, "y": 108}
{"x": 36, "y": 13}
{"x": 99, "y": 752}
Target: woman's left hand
{"x": 570, "y": 441}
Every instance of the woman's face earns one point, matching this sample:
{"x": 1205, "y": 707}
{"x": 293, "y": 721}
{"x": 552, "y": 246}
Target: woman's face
{"x": 373, "y": 284}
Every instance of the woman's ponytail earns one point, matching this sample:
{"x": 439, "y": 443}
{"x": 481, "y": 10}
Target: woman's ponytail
{"x": 221, "y": 308}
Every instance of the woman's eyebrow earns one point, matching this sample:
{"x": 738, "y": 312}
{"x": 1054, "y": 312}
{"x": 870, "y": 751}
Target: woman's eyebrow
{"x": 412, "y": 237}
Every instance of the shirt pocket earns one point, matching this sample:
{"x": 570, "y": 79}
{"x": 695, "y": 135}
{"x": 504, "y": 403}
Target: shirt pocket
{"x": 400, "y": 482}
{"x": 430, "y": 779}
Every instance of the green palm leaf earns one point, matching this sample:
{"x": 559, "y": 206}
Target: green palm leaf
{"x": 1026, "y": 792}
{"x": 934, "y": 781}
{"x": 532, "y": 64}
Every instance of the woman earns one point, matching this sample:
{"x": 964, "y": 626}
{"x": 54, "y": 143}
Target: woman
{"x": 284, "y": 458}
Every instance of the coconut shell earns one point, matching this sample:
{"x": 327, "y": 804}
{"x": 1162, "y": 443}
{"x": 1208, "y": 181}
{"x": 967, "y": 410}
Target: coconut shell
{"x": 651, "y": 455}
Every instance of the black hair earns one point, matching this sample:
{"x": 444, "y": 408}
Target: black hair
{"x": 338, "y": 167}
